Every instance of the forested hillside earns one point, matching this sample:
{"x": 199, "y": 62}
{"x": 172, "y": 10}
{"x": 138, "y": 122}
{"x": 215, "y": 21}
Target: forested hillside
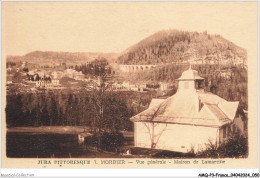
{"x": 180, "y": 46}
{"x": 49, "y": 57}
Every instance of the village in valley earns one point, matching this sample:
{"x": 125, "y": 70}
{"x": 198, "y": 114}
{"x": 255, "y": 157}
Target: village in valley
{"x": 155, "y": 100}
{"x": 30, "y": 78}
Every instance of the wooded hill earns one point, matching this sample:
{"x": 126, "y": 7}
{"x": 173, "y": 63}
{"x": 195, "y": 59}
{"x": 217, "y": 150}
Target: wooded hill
{"x": 173, "y": 46}
{"x": 70, "y": 58}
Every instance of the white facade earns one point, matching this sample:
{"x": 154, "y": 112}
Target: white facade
{"x": 55, "y": 82}
{"x": 164, "y": 86}
{"x": 176, "y": 137}
{"x": 43, "y": 83}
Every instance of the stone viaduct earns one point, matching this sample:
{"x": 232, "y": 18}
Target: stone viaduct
{"x": 134, "y": 68}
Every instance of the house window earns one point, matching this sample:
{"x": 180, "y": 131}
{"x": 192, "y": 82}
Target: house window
{"x": 186, "y": 85}
{"x": 198, "y": 84}
{"x": 224, "y": 132}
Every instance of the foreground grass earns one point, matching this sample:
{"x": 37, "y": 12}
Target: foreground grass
{"x": 49, "y": 129}
{"x": 59, "y": 130}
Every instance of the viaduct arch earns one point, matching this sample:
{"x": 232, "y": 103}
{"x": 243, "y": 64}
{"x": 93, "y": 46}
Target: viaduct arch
{"x": 134, "y": 68}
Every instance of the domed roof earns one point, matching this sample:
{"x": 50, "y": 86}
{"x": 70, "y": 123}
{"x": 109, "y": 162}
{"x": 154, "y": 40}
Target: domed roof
{"x": 190, "y": 75}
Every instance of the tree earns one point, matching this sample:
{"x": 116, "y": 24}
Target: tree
{"x": 98, "y": 99}
{"x": 53, "y": 114}
{"x": 151, "y": 125}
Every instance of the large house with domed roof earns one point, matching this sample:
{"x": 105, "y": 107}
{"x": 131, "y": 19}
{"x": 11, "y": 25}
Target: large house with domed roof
{"x": 188, "y": 120}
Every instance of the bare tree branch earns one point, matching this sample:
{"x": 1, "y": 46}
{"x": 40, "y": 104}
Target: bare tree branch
{"x": 150, "y": 121}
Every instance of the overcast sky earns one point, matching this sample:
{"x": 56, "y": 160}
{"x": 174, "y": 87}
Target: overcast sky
{"x": 114, "y": 26}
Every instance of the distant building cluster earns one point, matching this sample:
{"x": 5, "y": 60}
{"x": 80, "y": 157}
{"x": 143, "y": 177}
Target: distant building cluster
{"x": 50, "y": 78}
{"x": 141, "y": 86}
{"x": 71, "y": 73}
{"x": 45, "y": 79}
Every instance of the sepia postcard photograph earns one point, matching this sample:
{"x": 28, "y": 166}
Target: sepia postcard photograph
{"x": 129, "y": 85}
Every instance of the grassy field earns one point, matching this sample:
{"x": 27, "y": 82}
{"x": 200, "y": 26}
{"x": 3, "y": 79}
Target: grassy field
{"x": 59, "y": 130}
{"x": 50, "y": 129}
